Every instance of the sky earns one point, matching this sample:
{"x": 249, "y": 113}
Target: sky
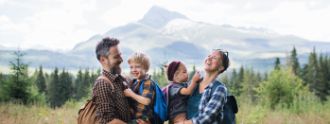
{"x": 61, "y": 24}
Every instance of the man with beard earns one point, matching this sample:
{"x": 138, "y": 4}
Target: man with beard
{"x": 111, "y": 104}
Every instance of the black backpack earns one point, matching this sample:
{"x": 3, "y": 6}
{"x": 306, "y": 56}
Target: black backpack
{"x": 229, "y": 109}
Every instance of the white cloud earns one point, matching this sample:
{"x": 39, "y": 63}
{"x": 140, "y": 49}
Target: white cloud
{"x": 60, "y": 24}
{"x": 58, "y": 27}
{"x": 126, "y": 11}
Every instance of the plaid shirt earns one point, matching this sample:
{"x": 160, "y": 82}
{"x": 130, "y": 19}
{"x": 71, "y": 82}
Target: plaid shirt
{"x": 211, "y": 105}
{"x": 110, "y": 101}
{"x": 141, "y": 110}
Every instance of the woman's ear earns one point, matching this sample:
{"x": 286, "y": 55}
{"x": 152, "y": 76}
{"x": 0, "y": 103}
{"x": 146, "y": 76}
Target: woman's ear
{"x": 221, "y": 69}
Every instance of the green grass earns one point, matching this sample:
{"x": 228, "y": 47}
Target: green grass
{"x": 316, "y": 113}
{"x": 34, "y": 114}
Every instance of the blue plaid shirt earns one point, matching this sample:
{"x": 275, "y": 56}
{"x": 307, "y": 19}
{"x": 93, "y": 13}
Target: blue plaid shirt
{"x": 211, "y": 105}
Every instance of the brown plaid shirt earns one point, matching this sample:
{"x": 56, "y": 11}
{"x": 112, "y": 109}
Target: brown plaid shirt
{"x": 110, "y": 101}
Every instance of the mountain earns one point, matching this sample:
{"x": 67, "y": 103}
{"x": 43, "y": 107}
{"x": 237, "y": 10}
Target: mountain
{"x": 157, "y": 17}
{"x": 167, "y": 35}
{"x": 178, "y": 50}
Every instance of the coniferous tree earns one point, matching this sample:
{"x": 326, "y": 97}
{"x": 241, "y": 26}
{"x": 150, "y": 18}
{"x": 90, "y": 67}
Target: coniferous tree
{"x": 277, "y": 65}
{"x": 323, "y": 78}
{"x": 250, "y": 82}
{"x": 19, "y": 83}
{"x": 41, "y": 81}
{"x": 65, "y": 87}
{"x": 236, "y": 81}
{"x": 312, "y": 70}
{"x": 53, "y": 89}
{"x": 79, "y": 85}
{"x": 293, "y": 62}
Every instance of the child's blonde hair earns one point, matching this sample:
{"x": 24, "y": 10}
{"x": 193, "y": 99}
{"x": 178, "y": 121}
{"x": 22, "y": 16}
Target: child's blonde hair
{"x": 140, "y": 58}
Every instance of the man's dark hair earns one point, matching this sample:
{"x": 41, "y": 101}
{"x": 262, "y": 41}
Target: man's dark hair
{"x": 102, "y": 48}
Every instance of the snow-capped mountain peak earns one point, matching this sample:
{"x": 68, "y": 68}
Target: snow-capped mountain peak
{"x": 157, "y": 17}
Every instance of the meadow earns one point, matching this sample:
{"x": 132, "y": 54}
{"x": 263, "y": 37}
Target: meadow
{"x": 248, "y": 114}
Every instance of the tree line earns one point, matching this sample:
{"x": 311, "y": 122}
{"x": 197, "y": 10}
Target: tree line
{"x": 286, "y": 84}
{"x": 52, "y": 89}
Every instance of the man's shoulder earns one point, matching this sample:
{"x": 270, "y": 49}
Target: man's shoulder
{"x": 102, "y": 82}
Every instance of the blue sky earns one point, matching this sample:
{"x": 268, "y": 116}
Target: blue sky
{"x": 60, "y": 24}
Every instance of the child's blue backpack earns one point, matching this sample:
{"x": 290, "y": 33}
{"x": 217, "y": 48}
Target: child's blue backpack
{"x": 229, "y": 109}
{"x": 160, "y": 106}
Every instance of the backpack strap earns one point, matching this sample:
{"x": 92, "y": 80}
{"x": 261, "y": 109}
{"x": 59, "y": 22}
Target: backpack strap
{"x": 168, "y": 93}
{"x": 102, "y": 77}
{"x": 214, "y": 87}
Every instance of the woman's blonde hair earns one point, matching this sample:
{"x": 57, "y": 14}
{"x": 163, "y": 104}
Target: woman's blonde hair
{"x": 140, "y": 58}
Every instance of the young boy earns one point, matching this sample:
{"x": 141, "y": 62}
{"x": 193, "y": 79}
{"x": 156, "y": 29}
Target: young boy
{"x": 179, "y": 91}
{"x": 141, "y": 103}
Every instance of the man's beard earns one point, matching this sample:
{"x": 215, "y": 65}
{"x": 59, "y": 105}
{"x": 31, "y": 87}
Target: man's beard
{"x": 115, "y": 70}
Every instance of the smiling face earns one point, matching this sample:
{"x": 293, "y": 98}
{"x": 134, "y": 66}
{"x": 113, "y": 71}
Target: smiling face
{"x": 137, "y": 71}
{"x": 181, "y": 75}
{"x": 212, "y": 62}
{"x": 139, "y": 64}
{"x": 112, "y": 60}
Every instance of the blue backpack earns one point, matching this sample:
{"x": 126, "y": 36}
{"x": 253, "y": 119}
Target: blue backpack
{"x": 229, "y": 109}
{"x": 160, "y": 106}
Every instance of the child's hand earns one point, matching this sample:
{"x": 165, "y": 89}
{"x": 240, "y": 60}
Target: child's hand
{"x": 128, "y": 92}
{"x": 196, "y": 77}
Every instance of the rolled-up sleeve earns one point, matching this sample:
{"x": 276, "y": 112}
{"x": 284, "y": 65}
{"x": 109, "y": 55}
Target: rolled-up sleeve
{"x": 105, "y": 107}
{"x": 212, "y": 108}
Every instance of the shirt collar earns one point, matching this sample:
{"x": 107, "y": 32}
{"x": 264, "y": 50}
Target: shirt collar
{"x": 111, "y": 76}
{"x": 211, "y": 84}
{"x": 146, "y": 77}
